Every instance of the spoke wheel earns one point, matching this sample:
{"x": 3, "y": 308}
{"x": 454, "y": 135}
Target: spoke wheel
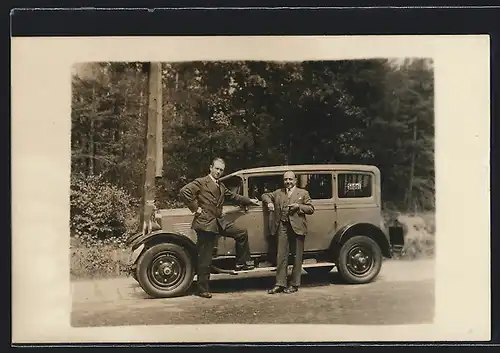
{"x": 360, "y": 260}
{"x": 165, "y": 270}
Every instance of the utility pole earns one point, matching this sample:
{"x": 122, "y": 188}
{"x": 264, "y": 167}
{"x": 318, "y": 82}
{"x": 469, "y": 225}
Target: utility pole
{"x": 154, "y": 145}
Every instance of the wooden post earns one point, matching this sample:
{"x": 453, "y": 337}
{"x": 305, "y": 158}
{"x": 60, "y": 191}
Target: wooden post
{"x": 410, "y": 199}
{"x": 154, "y": 87}
{"x": 159, "y": 124}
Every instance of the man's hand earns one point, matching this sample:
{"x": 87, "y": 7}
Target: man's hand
{"x": 198, "y": 211}
{"x": 270, "y": 206}
{"x": 293, "y": 207}
{"x": 255, "y": 202}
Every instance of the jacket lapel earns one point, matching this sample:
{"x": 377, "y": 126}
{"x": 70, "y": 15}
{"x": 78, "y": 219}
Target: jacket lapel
{"x": 221, "y": 193}
{"x": 211, "y": 187}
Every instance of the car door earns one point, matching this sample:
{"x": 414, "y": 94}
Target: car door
{"x": 321, "y": 223}
{"x": 356, "y": 198}
{"x": 250, "y": 218}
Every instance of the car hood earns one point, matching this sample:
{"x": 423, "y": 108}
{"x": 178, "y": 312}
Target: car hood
{"x": 174, "y": 212}
{"x": 187, "y": 212}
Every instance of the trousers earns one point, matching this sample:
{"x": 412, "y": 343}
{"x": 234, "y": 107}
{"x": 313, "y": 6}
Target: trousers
{"x": 206, "y": 244}
{"x": 288, "y": 242}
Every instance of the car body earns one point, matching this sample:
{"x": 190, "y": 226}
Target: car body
{"x": 346, "y": 229}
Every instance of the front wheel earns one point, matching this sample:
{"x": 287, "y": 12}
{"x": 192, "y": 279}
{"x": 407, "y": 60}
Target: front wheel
{"x": 165, "y": 270}
{"x": 360, "y": 260}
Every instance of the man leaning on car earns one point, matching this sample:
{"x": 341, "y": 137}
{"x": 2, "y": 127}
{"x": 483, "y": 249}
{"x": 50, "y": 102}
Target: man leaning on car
{"x": 290, "y": 204}
{"x": 204, "y": 197}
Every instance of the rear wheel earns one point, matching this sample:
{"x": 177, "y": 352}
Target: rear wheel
{"x": 165, "y": 270}
{"x": 360, "y": 260}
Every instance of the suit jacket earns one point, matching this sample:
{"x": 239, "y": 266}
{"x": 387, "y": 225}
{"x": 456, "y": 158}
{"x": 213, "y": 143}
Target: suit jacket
{"x": 204, "y": 193}
{"x": 298, "y": 219}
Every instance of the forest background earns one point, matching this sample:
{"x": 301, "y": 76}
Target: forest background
{"x": 251, "y": 113}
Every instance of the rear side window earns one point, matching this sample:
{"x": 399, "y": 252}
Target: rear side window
{"x": 354, "y": 185}
{"x": 319, "y": 186}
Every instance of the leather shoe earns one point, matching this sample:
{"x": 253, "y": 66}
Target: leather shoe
{"x": 204, "y": 295}
{"x": 276, "y": 289}
{"x": 291, "y": 289}
{"x": 246, "y": 267}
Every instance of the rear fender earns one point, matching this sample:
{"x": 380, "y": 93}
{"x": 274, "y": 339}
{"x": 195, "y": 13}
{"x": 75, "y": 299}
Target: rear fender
{"x": 365, "y": 229}
{"x": 145, "y": 241}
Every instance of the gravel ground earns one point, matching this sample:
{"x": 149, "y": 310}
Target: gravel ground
{"x": 402, "y": 294}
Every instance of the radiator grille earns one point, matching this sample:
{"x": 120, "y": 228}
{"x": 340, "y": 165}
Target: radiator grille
{"x": 182, "y": 228}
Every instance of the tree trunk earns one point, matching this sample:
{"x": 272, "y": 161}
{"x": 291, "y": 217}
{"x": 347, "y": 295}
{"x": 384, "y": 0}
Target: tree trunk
{"x": 409, "y": 197}
{"x": 151, "y": 129}
{"x": 92, "y": 132}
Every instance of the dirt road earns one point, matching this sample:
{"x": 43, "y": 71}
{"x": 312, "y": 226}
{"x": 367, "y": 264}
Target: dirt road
{"x": 402, "y": 294}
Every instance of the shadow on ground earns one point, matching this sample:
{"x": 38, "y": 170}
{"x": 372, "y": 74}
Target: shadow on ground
{"x": 264, "y": 283}
{"x": 249, "y": 284}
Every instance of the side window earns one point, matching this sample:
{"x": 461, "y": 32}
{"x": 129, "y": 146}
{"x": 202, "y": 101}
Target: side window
{"x": 354, "y": 185}
{"x": 319, "y": 186}
{"x": 235, "y": 184}
{"x": 259, "y": 185}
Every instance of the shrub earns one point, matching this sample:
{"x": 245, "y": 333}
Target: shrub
{"x": 101, "y": 210}
{"x": 419, "y": 231}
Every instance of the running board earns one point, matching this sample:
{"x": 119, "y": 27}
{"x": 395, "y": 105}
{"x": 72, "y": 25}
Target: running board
{"x": 217, "y": 270}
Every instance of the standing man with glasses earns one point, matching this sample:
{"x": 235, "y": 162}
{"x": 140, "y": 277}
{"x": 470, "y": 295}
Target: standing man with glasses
{"x": 205, "y": 197}
{"x": 291, "y": 205}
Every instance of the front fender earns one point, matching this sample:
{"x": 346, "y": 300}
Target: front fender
{"x": 366, "y": 229}
{"x": 142, "y": 241}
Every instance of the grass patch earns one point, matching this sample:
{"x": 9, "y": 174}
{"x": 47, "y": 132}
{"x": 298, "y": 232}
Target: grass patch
{"x": 98, "y": 262}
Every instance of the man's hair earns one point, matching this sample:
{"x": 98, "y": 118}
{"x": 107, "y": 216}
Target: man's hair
{"x": 290, "y": 171}
{"x": 219, "y": 160}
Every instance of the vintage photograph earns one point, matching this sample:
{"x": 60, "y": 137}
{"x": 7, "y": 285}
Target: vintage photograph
{"x": 253, "y": 192}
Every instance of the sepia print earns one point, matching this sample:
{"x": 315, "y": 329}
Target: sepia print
{"x": 236, "y": 188}
{"x": 359, "y": 134}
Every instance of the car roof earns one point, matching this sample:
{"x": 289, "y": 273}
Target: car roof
{"x": 305, "y": 168}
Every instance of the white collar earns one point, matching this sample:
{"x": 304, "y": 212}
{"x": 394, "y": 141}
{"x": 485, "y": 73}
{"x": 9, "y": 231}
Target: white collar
{"x": 291, "y": 190}
{"x": 213, "y": 179}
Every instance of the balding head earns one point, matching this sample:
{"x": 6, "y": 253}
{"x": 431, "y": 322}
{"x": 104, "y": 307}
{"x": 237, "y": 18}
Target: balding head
{"x": 289, "y": 179}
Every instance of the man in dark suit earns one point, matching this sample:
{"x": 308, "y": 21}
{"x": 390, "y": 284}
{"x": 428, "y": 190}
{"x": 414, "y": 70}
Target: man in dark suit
{"x": 204, "y": 197}
{"x": 289, "y": 205}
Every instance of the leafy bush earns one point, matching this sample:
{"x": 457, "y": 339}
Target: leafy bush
{"x": 101, "y": 211}
{"x": 419, "y": 232}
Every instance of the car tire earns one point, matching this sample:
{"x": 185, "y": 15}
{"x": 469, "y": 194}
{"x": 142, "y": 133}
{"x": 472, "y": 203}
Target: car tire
{"x": 319, "y": 271}
{"x": 360, "y": 260}
{"x": 133, "y": 274}
{"x": 165, "y": 270}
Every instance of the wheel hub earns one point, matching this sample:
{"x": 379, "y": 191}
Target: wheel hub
{"x": 359, "y": 260}
{"x": 166, "y": 270}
